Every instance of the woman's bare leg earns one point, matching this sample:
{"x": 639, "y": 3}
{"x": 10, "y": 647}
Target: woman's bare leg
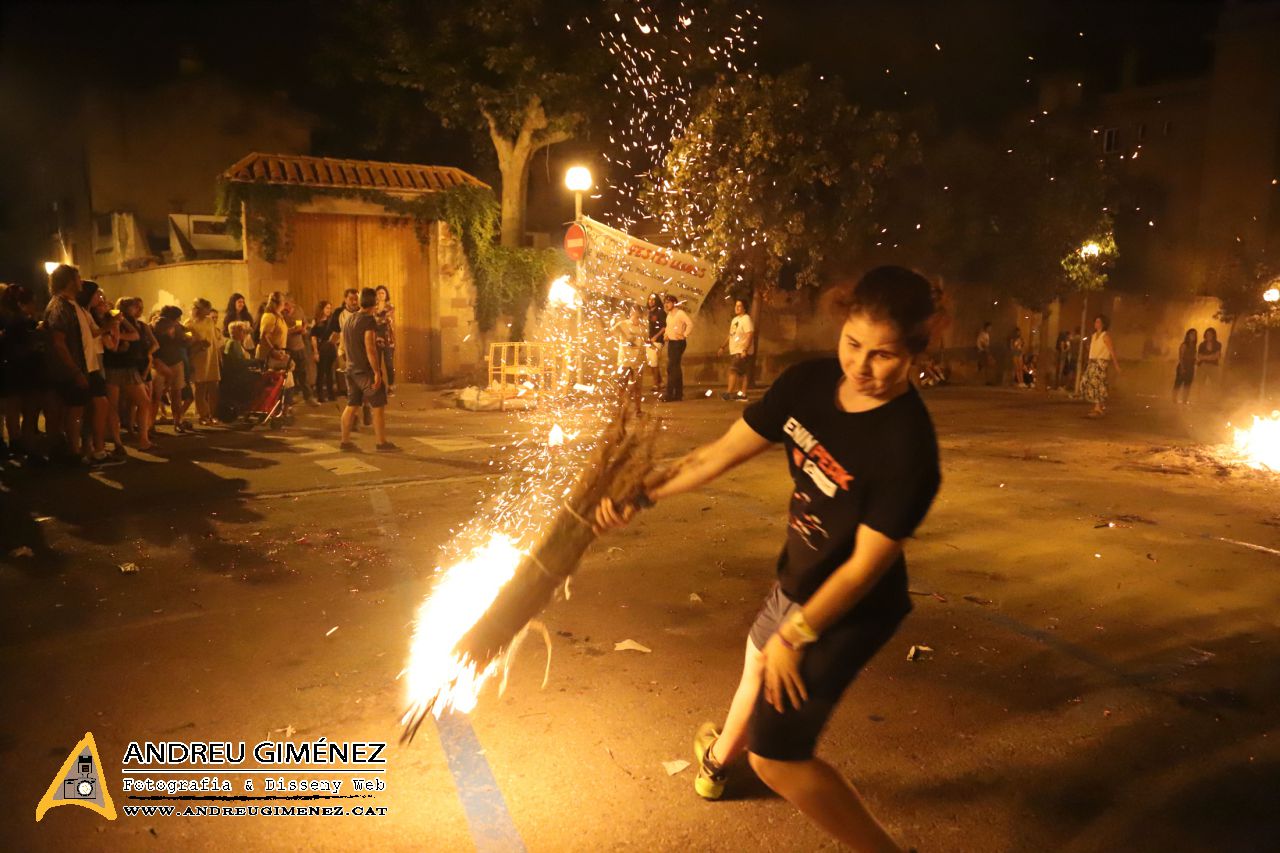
{"x": 13, "y": 418}
{"x": 31, "y": 406}
{"x": 733, "y": 736}
{"x": 137, "y": 395}
{"x": 113, "y": 414}
{"x": 826, "y": 798}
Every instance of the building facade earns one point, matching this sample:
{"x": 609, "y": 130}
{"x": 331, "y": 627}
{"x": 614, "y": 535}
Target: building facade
{"x": 335, "y": 240}
{"x": 134, "y": 175}
{"x": 1198, "y": 160}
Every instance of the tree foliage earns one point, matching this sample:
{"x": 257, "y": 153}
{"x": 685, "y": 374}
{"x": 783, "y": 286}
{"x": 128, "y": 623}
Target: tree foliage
{"x": 1238, "y": 277}
{"x": 1012, "y": 211}
{"x": 773, "y": 174}
{"x": 1088, "y": 266}
{"x": 513, "y": 72}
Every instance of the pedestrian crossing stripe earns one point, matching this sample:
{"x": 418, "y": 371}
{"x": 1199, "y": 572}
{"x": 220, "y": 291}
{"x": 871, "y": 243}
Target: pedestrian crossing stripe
{"x": 345, "y": 465}
{"x": 448, "y": 444}
{"x": 79, "y": 783}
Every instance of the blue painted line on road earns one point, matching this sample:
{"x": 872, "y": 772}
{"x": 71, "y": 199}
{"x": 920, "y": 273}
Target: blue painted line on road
{"x": 492, "y": 828}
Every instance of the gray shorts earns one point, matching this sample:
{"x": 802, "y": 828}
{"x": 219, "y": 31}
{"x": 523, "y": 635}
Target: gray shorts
{"x": 773, "y": 612}
{"x": 828, "y": 667}
{"x": 360, "y": 391}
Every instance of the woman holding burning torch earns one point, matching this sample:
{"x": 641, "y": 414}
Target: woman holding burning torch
{"x": 863, "y": 457}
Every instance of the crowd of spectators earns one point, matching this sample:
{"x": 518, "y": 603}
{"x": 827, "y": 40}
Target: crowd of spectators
{"x": 81, "y": 379}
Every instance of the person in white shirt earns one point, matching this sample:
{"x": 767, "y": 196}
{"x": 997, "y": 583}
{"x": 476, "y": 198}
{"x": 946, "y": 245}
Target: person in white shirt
{"x": 676, "y": 335}
{"x": 629, "y": 332}
{"x": 1102, "y": 362}
{"x": 742, "y": 333}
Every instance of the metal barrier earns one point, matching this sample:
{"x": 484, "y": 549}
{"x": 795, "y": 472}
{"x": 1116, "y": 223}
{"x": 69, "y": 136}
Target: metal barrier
{"x": 513, "y": 363}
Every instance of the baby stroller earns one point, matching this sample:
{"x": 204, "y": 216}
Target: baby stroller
{"x": 267, "y": 405}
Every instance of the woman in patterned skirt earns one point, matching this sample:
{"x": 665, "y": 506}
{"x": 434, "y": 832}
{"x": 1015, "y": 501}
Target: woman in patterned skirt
{"x": 1102, "y": 356}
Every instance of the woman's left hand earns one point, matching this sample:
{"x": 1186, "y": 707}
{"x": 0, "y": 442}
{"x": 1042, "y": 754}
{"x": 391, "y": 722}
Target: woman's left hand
{"x": 782, "y": 675}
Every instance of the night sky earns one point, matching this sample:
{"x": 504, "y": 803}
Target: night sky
{"x": 49, "y": 51}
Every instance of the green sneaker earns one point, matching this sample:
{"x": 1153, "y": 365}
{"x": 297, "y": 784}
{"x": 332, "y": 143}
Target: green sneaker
{"x": 709, "y": 783}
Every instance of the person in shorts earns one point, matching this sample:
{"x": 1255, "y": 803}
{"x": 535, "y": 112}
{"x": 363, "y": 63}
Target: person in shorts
{"x": 742, "y": 333}
{"x": 124, "y": 366}
{"x": 68, "y": 367}
{"x": 104, "y": 328}
{"x": 366, "y": 383}
{"x": 863, "y": 458}
{"x": 169, "y": 369}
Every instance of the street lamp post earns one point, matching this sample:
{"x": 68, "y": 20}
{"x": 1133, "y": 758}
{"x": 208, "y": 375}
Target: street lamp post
{"x": 1090, "y": 252}
{"x": 1271, "y": 296}
{"x": 578, "y": 181}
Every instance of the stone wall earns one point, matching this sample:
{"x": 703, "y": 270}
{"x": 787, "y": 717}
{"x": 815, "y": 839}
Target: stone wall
{"x": 179, "y": 284}
{"x": 455, "y": 336}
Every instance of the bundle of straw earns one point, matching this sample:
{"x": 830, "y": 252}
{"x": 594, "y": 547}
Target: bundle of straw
{"x": 622, "y": 469}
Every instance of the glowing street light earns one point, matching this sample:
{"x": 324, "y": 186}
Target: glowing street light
{"x": 1090, "y": 250}
{"x": 1270, "y": 296}
{"x": 578, "y": 180}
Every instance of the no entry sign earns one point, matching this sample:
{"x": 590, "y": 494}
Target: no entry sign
{"x": 575, "y": 242}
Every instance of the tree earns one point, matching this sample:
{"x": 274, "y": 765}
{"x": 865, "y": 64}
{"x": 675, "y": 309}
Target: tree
{"x": 1238, "y": 277}
{"x": 1012, "y": 211}
{"x": 772, "y": 174}
{"x": 514, "y": 71}
{"x": 1087, "y": 267}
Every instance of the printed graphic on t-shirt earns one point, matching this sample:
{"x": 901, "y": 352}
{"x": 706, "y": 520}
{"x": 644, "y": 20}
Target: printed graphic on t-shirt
{"x": 805, "y": 524}
{"x": 815, "y": 460}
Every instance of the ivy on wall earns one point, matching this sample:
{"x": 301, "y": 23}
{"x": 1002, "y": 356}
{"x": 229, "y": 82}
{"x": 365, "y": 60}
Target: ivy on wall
{"x": 507, "y": 280}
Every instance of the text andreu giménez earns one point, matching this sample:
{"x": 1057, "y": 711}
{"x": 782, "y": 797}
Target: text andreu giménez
{"x": 266, "y": 752}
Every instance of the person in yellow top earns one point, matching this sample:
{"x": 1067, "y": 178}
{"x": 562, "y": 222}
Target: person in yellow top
{"x": 273, "y": 334}
{"x": 206, "y": 358}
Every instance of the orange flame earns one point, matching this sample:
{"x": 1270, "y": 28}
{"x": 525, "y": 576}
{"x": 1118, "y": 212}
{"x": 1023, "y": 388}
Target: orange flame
{"x": 436, "y": 677}
{"x": 1259, "y": 445}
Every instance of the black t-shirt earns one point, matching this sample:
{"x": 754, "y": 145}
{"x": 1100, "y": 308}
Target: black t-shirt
{"x": 353, "y": 341}
{"x": 114, "y": 358}
{"x": 334, "y": 326}
{"x": 172, "y": 338}
{"x": 878, "y": 468}
{"x": 657, "y": 321}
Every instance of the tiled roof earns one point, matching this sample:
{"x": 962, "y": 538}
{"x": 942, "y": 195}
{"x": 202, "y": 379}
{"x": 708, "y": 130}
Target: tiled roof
{"x": 302, "y": 171}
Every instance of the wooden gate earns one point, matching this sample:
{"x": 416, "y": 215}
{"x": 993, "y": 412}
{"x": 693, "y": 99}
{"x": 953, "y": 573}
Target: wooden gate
{"x": 331, "y": 252}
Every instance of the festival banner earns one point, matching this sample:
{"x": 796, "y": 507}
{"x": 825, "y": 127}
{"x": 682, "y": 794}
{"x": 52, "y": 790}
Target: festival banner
{"x": 617, "y": 264}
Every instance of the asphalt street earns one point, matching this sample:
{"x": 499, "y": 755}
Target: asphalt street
{"x": 1098, "y": 597}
